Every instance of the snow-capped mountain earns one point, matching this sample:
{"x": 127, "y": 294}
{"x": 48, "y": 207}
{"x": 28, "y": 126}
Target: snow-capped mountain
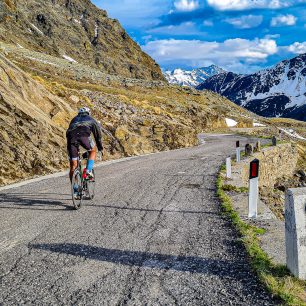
{"x": 193, "y": 77}
{"x": 279, "y": 91}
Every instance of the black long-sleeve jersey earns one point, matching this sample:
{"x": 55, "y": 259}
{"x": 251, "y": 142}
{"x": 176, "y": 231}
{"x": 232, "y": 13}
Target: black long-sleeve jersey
{"x": 83, "y": 125}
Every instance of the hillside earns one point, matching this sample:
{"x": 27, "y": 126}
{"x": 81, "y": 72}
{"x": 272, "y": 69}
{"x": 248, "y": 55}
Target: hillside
{"x": 31, "y": 126}
{"x": 279, "y": 91}
{"x": 138, "y": 117}
{"x": 78, "y": 31}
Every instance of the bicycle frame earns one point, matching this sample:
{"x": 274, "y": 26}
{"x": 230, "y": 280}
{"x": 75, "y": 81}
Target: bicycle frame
{"x": 86, "y": 187}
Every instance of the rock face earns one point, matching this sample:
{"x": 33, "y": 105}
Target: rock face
{"x": 277, "y": 172}
{"x": 276, "y": 92}
{"x": 193, "y": 77}
{"x": 32, "y": 122}
{"x": 275, "y": 163}
{"x": 77, "y": 31}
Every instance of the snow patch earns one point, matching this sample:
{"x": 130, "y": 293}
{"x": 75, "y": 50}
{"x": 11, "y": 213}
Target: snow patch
{"x": 292, "y": 133}
{"x": 96, "y": 30}
{"x": 40, "y": 60}
{"x": 258, "y": 124}
{"x": 69, "y": 59}
{"x": 231, "y": 122}
{"x": 37, "y": 29}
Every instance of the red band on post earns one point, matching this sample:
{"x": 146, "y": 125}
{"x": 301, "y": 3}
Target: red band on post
{"x": 254, "y": 168}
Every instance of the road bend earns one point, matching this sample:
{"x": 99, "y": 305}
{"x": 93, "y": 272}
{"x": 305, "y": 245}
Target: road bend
{"x": 153, "y": 235}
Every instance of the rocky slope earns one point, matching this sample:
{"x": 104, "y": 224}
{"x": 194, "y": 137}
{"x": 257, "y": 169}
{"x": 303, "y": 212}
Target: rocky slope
{"x": 137, "y": 117}
{"x": 31, "y": 126}
{"x": 192, "y": 78}
{"x": 77, "y": 31}
{"x": 276, "y": 92}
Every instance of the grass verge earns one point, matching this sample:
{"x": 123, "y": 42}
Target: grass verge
{"x": 229, "y": 187}
{"x": 276, "y": 278}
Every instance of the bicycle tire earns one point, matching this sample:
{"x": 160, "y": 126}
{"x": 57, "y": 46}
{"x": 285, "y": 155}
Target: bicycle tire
{"x": 77, "y": 179}
{"x": 91, "y": 185}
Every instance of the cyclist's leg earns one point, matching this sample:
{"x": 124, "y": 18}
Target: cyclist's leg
{"x": 73, "y": 152}
{"x": 93, "y": 154}
{"x": 73, "y": 166}
{"x": 89, "y": 145}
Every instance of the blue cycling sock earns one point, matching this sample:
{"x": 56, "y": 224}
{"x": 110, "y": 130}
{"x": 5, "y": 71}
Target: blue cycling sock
{"x": 90, "y": 164}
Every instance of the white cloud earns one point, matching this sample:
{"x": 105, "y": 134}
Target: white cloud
{"x": 185, "y": 28}
{"x": 247, "y": 4}
{"x": 208, "y": 23}
{"x": 297, "y": 48}
{"x": 246, "y": 21}
{"x": 147, "y": 38}
{"x": 269, "y": 36}
{"x": 186, "y": 5}
{"x": 283, "y": 20}
{"x": 228, "y": 54}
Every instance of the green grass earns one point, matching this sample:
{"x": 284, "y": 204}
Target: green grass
{"x": 229, "y": 187}
{"x": 277, "y": 279}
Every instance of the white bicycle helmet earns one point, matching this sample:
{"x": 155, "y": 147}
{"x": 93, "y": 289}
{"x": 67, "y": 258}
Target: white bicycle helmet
{"x": 84, "y": 110}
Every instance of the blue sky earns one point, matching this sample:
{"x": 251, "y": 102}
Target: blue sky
{"x": 238, "y": 35}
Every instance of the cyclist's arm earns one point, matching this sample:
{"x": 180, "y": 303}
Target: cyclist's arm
{"x": 96, "y": 130}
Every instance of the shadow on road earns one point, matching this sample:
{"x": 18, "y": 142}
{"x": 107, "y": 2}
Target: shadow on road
{"x": 190, "y": 264}
{"x": 39, "y": 201}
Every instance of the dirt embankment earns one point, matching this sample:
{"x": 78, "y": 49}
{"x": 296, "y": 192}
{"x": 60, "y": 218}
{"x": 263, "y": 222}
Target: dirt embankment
{"x": 32, "y": 121}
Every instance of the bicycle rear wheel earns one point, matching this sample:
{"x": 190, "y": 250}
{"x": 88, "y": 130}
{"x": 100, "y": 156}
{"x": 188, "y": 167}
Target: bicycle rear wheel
{"x": 91, "y": 185}
{"x": 77, "y": 189}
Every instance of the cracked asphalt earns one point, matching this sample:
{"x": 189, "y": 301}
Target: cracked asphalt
{"x": 153, "y": 235}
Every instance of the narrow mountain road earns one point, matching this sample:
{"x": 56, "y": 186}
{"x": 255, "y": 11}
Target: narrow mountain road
{"x": 152, "y": 236}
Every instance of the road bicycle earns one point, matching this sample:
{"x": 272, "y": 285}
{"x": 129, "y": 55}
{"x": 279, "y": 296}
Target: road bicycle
{"x": 85, "y": 187}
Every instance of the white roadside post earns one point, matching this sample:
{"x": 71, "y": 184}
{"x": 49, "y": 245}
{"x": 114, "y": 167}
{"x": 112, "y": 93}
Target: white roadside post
{"x": 237, "y": 151}
{"x": 228, "y": 168}
{"x": 295, "y": 231}
{"x": 253, "y": 188}
{"x": 280, "y": 134}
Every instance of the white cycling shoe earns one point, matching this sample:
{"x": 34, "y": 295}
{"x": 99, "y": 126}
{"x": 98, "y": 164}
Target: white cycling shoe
{"x": 89, "y": 175}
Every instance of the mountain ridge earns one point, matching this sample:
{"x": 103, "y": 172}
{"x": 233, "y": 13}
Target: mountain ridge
{"x": 279, "y": 91}
{"x": 90, "y": 37}
{"x": 191, "y": 78}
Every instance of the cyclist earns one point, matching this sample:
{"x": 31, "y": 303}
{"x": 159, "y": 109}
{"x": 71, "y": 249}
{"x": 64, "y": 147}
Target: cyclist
{"x": 79, "y": 133}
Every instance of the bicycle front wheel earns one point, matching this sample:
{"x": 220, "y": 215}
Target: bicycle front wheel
{"x": 77, "y": 189}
